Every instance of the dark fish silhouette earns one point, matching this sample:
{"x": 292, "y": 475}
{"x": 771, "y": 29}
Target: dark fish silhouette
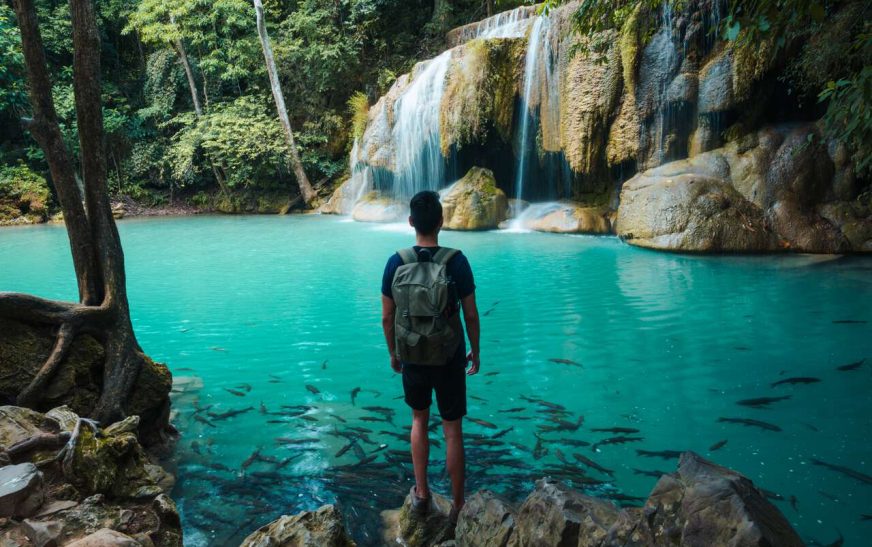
{"x": 751, "y": 423}
{"x": 492, "y": 373}
{"x": 762, "y": 401}
{"x": 811, "y": 427}
{"x": 372, "y": 419}
{"x": 478, "y": 398}
{"x": 251, "y": 459}
{"x": 771, "y": 495}
{"x": 516, "y": 409}
{"x": 312, "y": 389}
{"x": 656, "y": 474}
{"x": 324, "y": 365}
{"x": 539, "y": 450}
{"x": 793, "y": 502}
{"x": 664, "y": 454}
{"x": 482, "y": 423}
{"x": 796, "y": 380}
{"x": 565, "y": 361}
{"x": 865, "y": 517}
{"x": 234, "y": 392}
{"x": 290, "y": 441}
{"x": 829, "y": 496}
{"x": 244, "y": 387}
{"x": 216, "y": 348}
{"x": 229, "y": 413}
{"x": 203, "y": 420}
{"x": 615, "y": 440}
{"x": 849, "y": 322}
{"x": 358, "y": 451}
{"x": 503, "y": 432}
{"x": 851, "y": 366}
{"x": 492, "y": 308}
{"x": 718, "y": 445}
{"x": 856, "y": 475}
{"x": 615, "y": 430}
{"x": 343, "y": 450}
{"x": 573, "y": 442}
{"x": 741, "y": 348}
{"x": 561, "y": 456}
{"x": 592, "y": 464}
{"x": 563, "y": 425}
{"x": 354, "y": 393}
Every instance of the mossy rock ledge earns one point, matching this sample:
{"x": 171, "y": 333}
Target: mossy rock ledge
{"x": 474, "y": 202}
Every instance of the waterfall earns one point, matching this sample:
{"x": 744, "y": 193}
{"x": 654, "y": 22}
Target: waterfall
{"x": 531, "y": 66}
{"x": 508, "y": 24}
{"x": 665, "y": 107}
{"x": 419, "y": 162}
{"x": 361, "y": 178}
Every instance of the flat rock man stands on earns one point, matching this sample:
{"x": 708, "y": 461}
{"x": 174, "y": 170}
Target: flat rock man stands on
{"x": 423, "y": 290}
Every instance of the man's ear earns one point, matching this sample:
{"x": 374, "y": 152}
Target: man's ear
{"x": 410, "y": 221}
{"x": 439, "y": 226}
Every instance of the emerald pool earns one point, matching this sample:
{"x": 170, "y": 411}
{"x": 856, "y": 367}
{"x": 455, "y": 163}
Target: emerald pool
{"x": 249, "y": 311}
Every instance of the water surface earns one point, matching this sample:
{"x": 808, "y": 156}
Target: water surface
{"x": 667, "y": 344}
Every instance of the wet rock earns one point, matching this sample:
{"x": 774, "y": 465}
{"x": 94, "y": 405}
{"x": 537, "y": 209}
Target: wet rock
{"x": 43, "y": 533}
{"x": 555, "y": 515}
{"x": 321, "y": 528}
{"x": 706, "y": 504}
{"x": 105, "y": 537}
{"x": 22, "y": 490}
{"x": 474, "y": 202}
{"x": 487, "y": 520}
{"x": 408, "y": 528}
{"x": 342, "y": 200}
{"x": 375, "y": 208}
{"x": 571, "y": 218}
{"x": 716, "y": 85}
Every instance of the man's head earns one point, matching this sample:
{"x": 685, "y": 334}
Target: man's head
{"x": 426, "y": 211}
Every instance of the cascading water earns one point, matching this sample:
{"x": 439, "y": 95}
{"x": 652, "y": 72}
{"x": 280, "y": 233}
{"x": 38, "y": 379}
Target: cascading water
{"x": 665, "y": 106}
{"x": 530, "y": 77}
{"x": 419, "y": 162}
{"x": 508, "y": 24}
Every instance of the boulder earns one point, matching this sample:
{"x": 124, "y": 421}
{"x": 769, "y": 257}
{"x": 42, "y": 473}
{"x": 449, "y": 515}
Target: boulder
{"x": 571, "y": 218}
{"x": 105, "y": 537}
{"x": 706, "y": 504}
{"x": 22, "y": 490}
{"x": 474, "y": 202}
{"x": 407, "y": 528}
{"x": 487, "y": 520}
{"x": 556, "y": 516}
{"x": 375, "y": 208}
{"x": 320, "y": 528}
{"x": 19, "y": 424}
{"x": 43, "y": 533}
{"x": 716, "y": 84}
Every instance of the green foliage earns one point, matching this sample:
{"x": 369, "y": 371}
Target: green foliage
{"x": 12, "y": 92}
{"x": 358, "y": 108}
{"x": 23, "y": 193}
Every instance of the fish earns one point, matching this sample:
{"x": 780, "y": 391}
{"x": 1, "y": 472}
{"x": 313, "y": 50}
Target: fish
{"x": 762, "y": 401}
{"x": 796, "y": 380}
{"x": 563, "y": 425}
{"x": 848, "y": 472}
{"x": 184, "y": 369}
{"x": 573, "y": 442}
{"x": 244, "y": 387}
{"x": 373, "y": 419}
{"x": 358, "y": 451}
{"x": 560, "y": 456}
{"x": 849, "y": 322}
{"x": 312, "y": 389}
{"x": 354, "y": 393}
{"x": 771, "y": 495}
{"x": 829, "y": 496}
{"x": 718, "y": 445}
{"x": 811, "y": 427}
{"x": 851, "y": 366}
{"x": 663, "y": 454}
{"x": 482, "y": 423}
{"x": 615, "y": 430}
{"x": 234, "y": 392}
{"x": 592, "y": 464}
{"x": 793, "y": 502}
{"x": 229, "y": 413}
{"x": 251, "y": 459}
{"x": 343, "y": 450}
{"x": 492, "y": 373}
{"x": 324, "y": 365}
{"x": 751, "y": 423}
{"x": 478, "y": 398}
{"x": 340, "y": 418}
{"x": 539, "y": 450}
{"x": 515, "y": 409}
{"x": 741, "y": 348}
{"x": 290, "y": 441}
{"x": 865, "y": 517}
{"x": 502, "y": 433}
{"x": 202, "y": 420}
{"x": 274, "y": 381}
{"x": 654, "y": 473}
{"x": 615, "y": 440}
{"x": 492, "y": 308}
{"x": 216, "y": 348}
{"x": 369, "y": 459}
{"x": 379, "y": 449}
{"x": 565, "y": 362}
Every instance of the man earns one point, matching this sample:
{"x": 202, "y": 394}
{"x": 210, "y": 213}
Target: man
{"x": 448, "y": 378}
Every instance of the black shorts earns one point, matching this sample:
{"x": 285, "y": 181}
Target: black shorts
{"x": 449, "y": 382}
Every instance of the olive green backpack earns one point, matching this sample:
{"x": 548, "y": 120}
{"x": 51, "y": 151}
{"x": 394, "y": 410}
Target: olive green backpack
{"x": 426, "y": 323}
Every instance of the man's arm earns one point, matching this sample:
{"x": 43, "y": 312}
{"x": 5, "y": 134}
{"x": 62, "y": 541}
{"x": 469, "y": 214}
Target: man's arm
{"x": 473, "y": 331}
{"x": 389, "y": 308}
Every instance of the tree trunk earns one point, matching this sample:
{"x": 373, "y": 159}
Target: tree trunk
{"x": 490, "y": 7}
{"x": 103, "y": 309}
{"x": 441, "y": 13}
{"x": 306, "y": 189}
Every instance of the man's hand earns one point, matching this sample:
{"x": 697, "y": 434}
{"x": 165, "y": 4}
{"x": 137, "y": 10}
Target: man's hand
{"x": 473, "y": 358}
{"x": 396, "y": 364}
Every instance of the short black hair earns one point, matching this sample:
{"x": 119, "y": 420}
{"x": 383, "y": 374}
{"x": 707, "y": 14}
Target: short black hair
{"x": 426, "y": 212}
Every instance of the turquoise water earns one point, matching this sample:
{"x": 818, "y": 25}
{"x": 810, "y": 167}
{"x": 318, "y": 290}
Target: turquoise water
{"x": 666, "y": 344}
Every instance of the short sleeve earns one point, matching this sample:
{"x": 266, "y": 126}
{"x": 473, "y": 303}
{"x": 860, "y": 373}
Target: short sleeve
{"x": 388, "y": 276}
{"x": 461, "y": 274}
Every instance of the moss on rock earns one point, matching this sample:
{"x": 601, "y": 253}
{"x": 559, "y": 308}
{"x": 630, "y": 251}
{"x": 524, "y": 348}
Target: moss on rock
{"x": 481, "y": 84}
{"x": 24, "y": 197}
{"x": 474, "y": 202}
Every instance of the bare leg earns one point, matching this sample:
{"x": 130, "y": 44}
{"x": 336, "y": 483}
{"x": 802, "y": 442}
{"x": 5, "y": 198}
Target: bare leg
{"x": 420, "y": 450}
{"x": 454, "y": 459}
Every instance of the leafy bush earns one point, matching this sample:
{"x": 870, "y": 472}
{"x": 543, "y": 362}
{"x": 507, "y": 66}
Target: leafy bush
{"x": 23, "y": 193}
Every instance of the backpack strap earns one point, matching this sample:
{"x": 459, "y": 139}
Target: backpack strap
{"x": 444, "y": 255}
{"x": 408, "y": 255}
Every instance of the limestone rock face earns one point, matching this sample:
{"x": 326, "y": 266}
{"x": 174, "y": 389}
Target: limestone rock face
{"x": 474, "y": 202}
{"x": 486, "y": 520}
{"x": 374, "y": 208}
{"x": 571, "y": 218}
{"x": 22, "y": 490}
{"x": 24, "y": 348}
{"x": 407, "y": 528}
{"x": 321, "y": 528}
{"x": 106, "y": 537}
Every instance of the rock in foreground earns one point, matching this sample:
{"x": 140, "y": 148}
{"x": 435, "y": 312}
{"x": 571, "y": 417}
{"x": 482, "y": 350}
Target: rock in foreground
{"x": 474, "y": 202}
{"x": 374, "y": 208}
{"x": 403, "y": 527}
{"x": 570, "y": 218}
{"x": 321, "y": 528}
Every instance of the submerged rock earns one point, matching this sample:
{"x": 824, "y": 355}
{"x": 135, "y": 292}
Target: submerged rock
{"x": 375, "y": 208}
{"x": 320, "y": 528}
{"x": 407, "y": 528}
{"x": 474, "y": 202}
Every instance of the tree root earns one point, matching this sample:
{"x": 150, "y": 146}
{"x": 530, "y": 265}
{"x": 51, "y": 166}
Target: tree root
{"x": 43, "y": 441}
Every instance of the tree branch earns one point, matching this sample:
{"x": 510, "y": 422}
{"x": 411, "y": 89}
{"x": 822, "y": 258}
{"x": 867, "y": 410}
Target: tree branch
{"x": 30, "y": 394}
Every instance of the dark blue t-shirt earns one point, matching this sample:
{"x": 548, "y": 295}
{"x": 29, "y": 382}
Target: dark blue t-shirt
{"x": 459, "y": 274}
